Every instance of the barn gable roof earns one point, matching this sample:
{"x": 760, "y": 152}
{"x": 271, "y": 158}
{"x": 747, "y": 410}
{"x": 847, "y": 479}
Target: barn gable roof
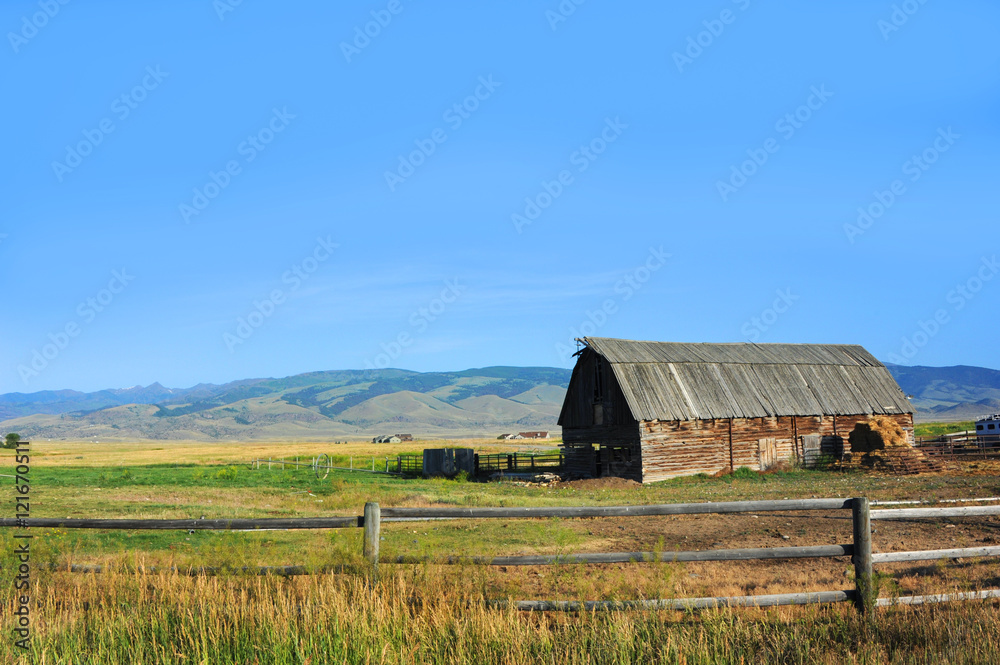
{"x": 674, "y": 381}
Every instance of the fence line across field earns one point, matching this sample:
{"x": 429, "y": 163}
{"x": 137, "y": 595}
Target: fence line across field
{"x": 413, "y": 463}
{"x": 860, "y": 549}
{"x": 322, "y": 465}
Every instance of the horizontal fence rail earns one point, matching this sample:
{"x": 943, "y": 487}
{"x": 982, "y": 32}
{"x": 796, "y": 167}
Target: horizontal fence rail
{"x": 860, "y": 550}
{"x": 281, "y": 571}
{"x": 190, "y": 525}
{"x": 754, "y": 554}
{"x": 957, "y": 511}
{"x": 931, "y": 555}
{"x": 770, "y": 600}
{"x": 618, "y": 511}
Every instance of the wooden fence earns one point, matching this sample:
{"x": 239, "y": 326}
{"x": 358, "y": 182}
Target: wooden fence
{"x": 322, "y": 464}
{"x": 860, "y": 549}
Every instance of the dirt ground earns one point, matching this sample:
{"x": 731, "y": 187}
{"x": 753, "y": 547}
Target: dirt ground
{"x": 763, "y": 530}
{"x": 705, "y": 532}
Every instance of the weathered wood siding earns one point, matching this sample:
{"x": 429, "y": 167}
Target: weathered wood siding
{"x": 687, "y": 447}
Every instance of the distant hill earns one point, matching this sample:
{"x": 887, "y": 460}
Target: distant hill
{"x": 363, "y": 403}
{"x": 950, "y": 393}
{"x": 317, "y": 405}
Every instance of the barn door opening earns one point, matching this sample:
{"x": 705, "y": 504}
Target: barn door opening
{"x": 767, "y": 453}
{"x": 615, "y": 461}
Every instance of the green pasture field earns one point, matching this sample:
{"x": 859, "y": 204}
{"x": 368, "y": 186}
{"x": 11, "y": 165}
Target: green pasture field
{"x": 191, "y": 491}
{"x": 930, "y": 430}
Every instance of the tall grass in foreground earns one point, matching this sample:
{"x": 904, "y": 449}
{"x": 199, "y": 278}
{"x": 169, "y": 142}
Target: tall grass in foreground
{"x": 409, "y": 617}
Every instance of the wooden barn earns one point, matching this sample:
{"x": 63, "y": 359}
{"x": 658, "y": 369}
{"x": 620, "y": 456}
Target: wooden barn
{"x": 656, "y": 410}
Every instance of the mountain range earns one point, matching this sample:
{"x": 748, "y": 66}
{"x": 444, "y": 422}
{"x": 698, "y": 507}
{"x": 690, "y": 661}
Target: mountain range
{"x": 318, "y": 405}
{"x": 353, "y": 404}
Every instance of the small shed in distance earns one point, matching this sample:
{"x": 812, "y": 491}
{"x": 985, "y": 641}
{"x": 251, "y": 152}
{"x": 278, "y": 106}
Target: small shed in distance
{"x": 656, "y": 410}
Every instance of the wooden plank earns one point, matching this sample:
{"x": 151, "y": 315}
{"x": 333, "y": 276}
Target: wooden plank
{"x": 930, "y": 555}
{"x": 862, "y": 555}
{"x": 284, "y": 571}
{"x": 373, "y": 527}
{"x": 750, "y": 554}
{"x": 621, "y": 511}
{"x": 905, "y": 513}
{"x": 773, "y": 600}
{"x": 189, "y": 525}
{"x": 940, "y": 598}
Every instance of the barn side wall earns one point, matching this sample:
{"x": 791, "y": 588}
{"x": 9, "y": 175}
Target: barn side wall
{"x": 683, "y": 448}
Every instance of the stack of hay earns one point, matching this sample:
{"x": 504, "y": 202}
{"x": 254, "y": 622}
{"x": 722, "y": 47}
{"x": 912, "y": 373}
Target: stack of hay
{"x": 885, "y": 445}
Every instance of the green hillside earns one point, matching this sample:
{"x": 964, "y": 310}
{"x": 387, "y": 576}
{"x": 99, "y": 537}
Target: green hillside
{"x": 348, "y": 404}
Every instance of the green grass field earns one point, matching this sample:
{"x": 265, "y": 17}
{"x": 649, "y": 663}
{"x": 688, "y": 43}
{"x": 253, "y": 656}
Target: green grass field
{"x": 931, "y": 430}
{"x": 435, "y": 613}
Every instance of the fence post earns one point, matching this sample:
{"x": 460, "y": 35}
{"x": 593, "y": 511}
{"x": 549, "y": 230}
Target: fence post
{"x": 373, "y": 527}
{"x": 861, "y": 518}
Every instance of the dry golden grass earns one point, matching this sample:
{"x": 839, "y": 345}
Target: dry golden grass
{"x": 417, "y": 616}
{"x": 138, "y": 453}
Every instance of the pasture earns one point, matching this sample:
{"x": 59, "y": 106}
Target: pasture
{"x": 431, "y": 612}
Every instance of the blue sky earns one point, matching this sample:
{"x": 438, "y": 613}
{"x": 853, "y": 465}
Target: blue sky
{"x": 200, "y": 191}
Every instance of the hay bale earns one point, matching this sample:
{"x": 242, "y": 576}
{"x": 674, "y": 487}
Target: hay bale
{"x": 878, "y": 433}
{"x": 889, "y": 431}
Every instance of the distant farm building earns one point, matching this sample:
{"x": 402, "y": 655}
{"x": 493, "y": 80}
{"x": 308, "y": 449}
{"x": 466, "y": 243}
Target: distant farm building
{"x": 405, "y": 437}
{"x": 656, "y": 410}
{"x": 534, "y": 435}
{"x": 510, "y": 437}
{"x": 387, "y": 438}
